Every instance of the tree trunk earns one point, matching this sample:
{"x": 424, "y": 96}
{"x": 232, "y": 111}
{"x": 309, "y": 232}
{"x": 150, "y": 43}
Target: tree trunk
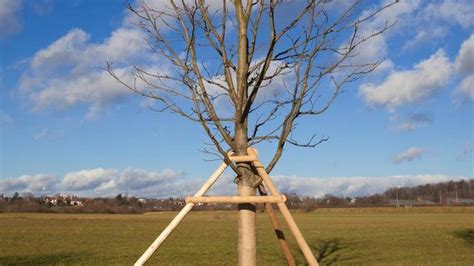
{"x": 246, "y": 185}
{"x": 247, "y": 251}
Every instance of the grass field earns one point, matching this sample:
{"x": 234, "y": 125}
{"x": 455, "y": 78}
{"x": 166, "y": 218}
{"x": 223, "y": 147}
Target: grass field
{"x": 373, "y": 236}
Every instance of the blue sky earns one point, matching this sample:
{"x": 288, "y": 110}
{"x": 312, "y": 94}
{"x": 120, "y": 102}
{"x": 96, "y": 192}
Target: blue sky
{"x": 67, "y": 127}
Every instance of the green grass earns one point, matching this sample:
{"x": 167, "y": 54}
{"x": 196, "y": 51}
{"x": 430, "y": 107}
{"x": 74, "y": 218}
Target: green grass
{"x": 373, "y": 236}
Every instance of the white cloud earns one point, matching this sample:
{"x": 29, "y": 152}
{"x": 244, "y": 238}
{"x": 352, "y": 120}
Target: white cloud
{"x": 337, "y": 5}
{"x": 395, "y": 12}
{"x": 464, "y": 66}
{"x": 87, "y": 179}
{"x": 67, "y": 72}
{"x": 101, "y": 181}
{"x": 104, "y": 182}
{"x": 409, "y": 155}
{"x": 376, "y": 47}
{"x": 110, "y": 180}
{"x": 465, "y": 90}
{"x": 434, "y": 20}
{"x": 464, "y": 63}
{"x": 418, "y": 22}
{"x": 10, "y": 22}
{"x": 38, "y": 184}
{"x": 410, "y": 86}
{"x": 65, "y": 49}
{"x": 165, "y": 6}
{"x": 425, "y": 35}
{"x": 136, "y": 179}
{"x": 94, "y": 89}
{"x": 169, "y": 183}
{"x": 454, "y": 11}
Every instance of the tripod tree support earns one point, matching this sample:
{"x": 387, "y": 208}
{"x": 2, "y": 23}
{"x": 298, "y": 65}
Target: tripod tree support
{"x": 275, "y": 197}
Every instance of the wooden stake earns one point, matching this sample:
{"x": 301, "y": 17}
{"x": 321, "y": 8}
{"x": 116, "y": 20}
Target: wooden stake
{"x": 236, "y": 199}
{"x": 277, "y": 228}
{"x": 308, "y": 254}
{"x": 169, "y": 229}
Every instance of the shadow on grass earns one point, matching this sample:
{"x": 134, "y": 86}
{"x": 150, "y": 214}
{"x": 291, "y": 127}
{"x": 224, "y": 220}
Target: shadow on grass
{"x": 466, "y": 234}
{"x": 41, "y": 259}
{"x": 331, "y": 251}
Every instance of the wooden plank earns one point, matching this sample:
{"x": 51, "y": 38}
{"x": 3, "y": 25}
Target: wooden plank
{"x": 236, "y": 199}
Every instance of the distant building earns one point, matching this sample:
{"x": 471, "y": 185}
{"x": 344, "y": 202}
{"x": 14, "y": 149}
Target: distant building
{"x": 62, "y": 200}
{"x": 51, "y": 200}
{"x": 76, "y": 203}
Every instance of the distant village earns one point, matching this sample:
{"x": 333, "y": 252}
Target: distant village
{"x": 27, "y": 202}
{"x": 452, "y": 193}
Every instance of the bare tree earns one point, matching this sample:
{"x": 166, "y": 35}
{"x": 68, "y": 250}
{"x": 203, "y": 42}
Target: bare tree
{"x": 248, "y": 71}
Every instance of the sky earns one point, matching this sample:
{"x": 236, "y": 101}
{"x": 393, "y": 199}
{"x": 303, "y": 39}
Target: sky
{"x": 67, "y": 127}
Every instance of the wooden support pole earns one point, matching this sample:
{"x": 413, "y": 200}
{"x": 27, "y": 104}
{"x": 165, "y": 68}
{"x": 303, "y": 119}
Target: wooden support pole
{"x": 308, "y": 254}
{"x": 277, "y": 228}
{"x": 169, "y": 229}
{"x": 236, "y": 199}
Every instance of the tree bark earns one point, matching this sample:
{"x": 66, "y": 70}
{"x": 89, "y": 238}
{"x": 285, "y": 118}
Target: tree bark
{"x": 246, "y": 181}
{"x": 247, "y": 243}
{"x": 247, "y": 247}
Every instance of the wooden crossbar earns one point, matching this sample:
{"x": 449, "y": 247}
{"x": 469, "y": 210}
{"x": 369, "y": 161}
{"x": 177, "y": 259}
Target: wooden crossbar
{"x": 237, "y": 199}
{"x": 244, "y": 158}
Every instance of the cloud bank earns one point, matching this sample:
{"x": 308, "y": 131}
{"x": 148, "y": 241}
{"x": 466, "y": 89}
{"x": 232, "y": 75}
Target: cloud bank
{"x": 169, "y": 183}
{"x": 102, "y": 182}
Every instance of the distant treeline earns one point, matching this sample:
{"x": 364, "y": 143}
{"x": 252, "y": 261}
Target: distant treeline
{"x": 445, "y": 193}
{"x": 439, "y": 193}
